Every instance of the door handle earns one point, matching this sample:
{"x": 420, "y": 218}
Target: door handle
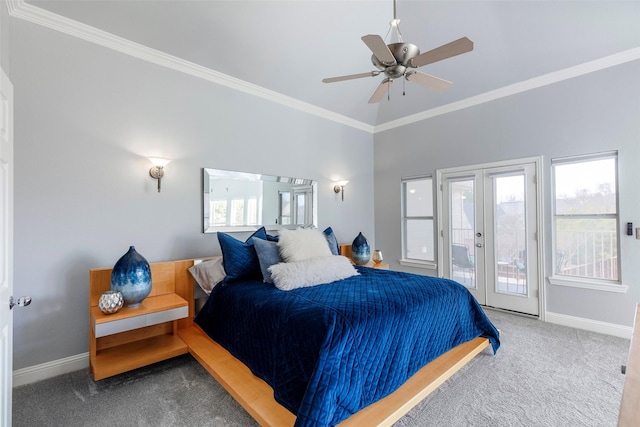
{"x": 20, "y": 302}
{"x": 478, "y": 245}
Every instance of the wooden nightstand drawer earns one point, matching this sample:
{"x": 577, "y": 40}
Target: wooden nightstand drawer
{"x": 127, "y": 324}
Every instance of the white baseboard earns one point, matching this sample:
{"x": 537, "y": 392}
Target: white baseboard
{"x": 616, "y": 330}
{"x": 51, "y": 369}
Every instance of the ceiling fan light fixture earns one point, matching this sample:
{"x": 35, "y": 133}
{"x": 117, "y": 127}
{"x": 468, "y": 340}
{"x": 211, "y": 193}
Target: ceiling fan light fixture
{"x": 395, "y": 59}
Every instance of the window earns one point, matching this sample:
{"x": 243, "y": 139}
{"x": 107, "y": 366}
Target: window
{"x": 586, "y": 217}
{"x": 417, "y": 219}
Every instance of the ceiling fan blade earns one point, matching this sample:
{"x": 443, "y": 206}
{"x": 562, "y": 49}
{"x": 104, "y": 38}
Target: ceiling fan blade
{"x": 379, "y": 49}
{"x": 428, "y": 81}
{"x": 350, "y": 77}
{"x": 380, "y": 91}
{"x": 445, "y": 51}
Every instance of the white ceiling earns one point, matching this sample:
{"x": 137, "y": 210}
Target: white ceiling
{"x": 289, "y": 46}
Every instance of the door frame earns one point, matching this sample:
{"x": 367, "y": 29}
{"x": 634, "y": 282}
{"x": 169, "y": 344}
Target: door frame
{"x": 538, "y": 161}
{"x": 6, "y": 253}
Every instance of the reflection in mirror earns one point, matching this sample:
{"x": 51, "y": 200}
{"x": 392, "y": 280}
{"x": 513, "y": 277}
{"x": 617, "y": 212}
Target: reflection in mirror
{"x": 239, "y": 201}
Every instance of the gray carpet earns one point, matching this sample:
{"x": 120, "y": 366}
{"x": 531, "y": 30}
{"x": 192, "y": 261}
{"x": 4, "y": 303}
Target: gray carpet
{"x": 543, "y": 375}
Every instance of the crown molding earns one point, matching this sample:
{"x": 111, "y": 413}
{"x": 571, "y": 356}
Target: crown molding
{"x": 513, "y": 89}
{"x": 21, "y": 10}
{"x": 27, "y": 12}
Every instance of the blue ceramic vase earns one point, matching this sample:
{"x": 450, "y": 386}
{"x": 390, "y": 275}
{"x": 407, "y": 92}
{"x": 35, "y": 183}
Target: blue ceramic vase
{"x": 132, "y": 277}
{"x": 360, "y": 251}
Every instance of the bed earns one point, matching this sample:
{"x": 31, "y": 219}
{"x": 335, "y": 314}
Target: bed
{"x": 362, "y": 350}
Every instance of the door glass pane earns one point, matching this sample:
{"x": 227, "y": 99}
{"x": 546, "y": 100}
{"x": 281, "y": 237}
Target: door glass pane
{"x": 300, "y": 209}
{"x": 462, "y": 232}
{"x": 252, "y": 211}
{"x": 285, "y": 208}
{"x": 510, "y": 235}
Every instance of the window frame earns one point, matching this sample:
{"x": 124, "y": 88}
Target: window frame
{"x": 405, "y": 260}
{"x": 556, "y": 278}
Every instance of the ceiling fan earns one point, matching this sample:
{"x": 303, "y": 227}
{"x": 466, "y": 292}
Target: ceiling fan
{"x": 397, "y": 60}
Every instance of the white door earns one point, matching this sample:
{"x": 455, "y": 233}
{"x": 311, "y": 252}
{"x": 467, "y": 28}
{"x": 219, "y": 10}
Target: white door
{"x": 6, "y": 247}
{"x": 489, "y": 220}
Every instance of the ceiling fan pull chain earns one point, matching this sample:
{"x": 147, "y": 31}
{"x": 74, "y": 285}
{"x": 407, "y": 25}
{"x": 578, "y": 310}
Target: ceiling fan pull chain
{"x": 403, "y": 87}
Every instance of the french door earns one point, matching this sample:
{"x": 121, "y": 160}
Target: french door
{"x": 489, "y": 228}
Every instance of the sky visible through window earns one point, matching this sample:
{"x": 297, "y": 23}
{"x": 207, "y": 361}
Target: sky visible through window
{"x": 590, "y": 176}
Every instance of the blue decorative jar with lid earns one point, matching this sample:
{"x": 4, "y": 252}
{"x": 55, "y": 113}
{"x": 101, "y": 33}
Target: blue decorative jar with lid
{"x": 132, "y": 277}
{"x": 360, "y": 250}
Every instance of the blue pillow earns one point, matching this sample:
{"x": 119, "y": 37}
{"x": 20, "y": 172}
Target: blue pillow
{"x": 332, "y": 241}
{"x": 271, "y": 238}
{"x": 239, "y": 258}
{"x": 268, "y": 255}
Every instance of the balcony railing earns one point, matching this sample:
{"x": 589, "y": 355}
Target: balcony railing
{"x": 587, "y": 253}
{"x": 584, "y": 253}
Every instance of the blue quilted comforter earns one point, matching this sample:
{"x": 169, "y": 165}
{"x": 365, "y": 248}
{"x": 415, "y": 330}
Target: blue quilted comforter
{"x": 328, "y": 351}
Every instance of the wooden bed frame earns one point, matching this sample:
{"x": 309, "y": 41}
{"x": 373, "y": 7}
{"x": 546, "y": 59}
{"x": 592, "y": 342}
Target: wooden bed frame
{"x": 256, "y": 397}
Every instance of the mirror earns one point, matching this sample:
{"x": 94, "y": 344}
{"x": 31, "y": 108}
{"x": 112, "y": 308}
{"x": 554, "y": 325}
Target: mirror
{"x": 239, "y": 201}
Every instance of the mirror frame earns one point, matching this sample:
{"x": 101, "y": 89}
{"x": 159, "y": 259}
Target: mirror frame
{"x": 208, "y": 173}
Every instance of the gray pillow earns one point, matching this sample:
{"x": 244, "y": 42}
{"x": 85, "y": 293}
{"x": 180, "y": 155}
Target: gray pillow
{"x": 268, "y": 255}
{"x": 208, "y": 274}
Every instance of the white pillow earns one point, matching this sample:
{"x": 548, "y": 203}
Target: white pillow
{"x": 302, "y": 244}
{"x": 208, "y": 274}
{"x": 292, "y": 275}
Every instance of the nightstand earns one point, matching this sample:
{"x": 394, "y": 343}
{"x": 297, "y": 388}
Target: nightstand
{"x": 381, "y": 266}
{"x": 345, "y": 250}
{"x": 133, "y": 337}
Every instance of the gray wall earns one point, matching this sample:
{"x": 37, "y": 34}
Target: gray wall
{"x": 87, "y": 117}
{"x": 592, "y": 113}
{"x": 4, "y": 38}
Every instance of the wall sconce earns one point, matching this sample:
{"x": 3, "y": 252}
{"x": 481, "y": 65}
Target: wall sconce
{"x": 339, "y": 188}
{"x": 157, "y": 171}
